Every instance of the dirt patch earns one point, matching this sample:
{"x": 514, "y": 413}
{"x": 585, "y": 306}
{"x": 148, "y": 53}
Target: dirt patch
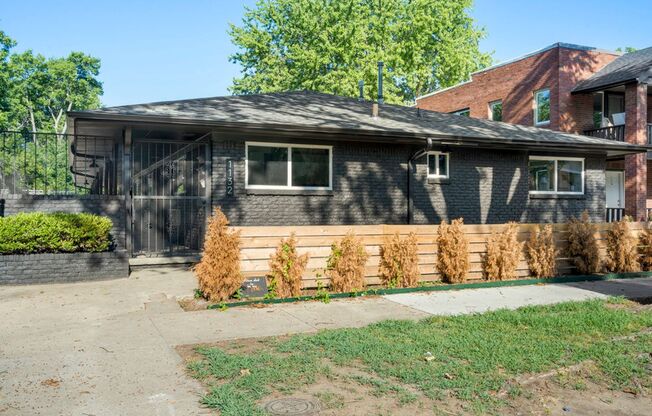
{"x": 579, "y": 396}
{"x": 51, "y": 382}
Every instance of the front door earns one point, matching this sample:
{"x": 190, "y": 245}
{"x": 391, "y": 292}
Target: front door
{"x": 170, "y": 188}
{"x": 615, "y": 189}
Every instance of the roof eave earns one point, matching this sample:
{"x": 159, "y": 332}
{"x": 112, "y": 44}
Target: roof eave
{"x": 371, "y": 135}
{"x": 602, "y": 86}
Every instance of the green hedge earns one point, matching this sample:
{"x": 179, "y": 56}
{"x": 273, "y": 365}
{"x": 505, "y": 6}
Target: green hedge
{"x": 38, "y": 232}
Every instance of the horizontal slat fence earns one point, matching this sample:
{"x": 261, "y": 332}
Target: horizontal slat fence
{"x": 259, "y": 243}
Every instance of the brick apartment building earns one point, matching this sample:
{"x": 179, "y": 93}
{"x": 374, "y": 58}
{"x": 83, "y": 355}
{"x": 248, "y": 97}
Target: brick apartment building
{"x": 574, "y": 89}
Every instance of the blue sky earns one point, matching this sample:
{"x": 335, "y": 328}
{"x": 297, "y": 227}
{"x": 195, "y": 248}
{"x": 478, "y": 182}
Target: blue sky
{"x": 162, "y": 50}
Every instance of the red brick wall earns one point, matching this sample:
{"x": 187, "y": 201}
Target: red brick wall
{"x": 636, "y": 107}
{"x": 558, "y": 69}
{"x": 576, "y": 111}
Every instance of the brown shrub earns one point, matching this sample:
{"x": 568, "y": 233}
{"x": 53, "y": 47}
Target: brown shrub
{"x": 541, "y": 252}
{"x": 346, "y": 264}
{"x": 503, "y": 254}
{"x": 399, "y": 261}
{"x": 452, "y": 252}
{"x": 582, "y": 246}
{"x": 622, "y": 250}
{"x": 286, "y": 269}
{"x": 645, "y": 249}
{"x": 218, "y": 272}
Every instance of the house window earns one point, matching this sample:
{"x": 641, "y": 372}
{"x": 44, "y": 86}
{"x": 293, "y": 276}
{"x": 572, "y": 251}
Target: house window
{"x": 284, "y": 166}
{"x": 542, "y": 107}
{"x": 438, "y": 165}
{"x": 549, "y": 175}
{"x": 463, "y": 112}
{"x": 496, "y": 110}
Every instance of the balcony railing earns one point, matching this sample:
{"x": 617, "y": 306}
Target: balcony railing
{"x": 616, "y": 133}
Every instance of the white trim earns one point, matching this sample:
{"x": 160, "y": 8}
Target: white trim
{"x": 463, "y": 110}
{"x": 536, "y": 107}
{"x": 555, "y": 159}
{"x": 289, "y": 186}
{"x": 442, "y": 90}
{"x": 436, "y": 174}
{"x": 490, "y": 106}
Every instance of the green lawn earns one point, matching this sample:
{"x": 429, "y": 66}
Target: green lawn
{"x": 475, "y": 356}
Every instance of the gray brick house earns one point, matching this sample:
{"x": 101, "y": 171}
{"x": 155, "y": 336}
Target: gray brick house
{"x": 310, "y": 158}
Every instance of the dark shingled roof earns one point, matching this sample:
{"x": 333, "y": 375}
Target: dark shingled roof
{"x": 317, "y": 112}
{"x": 629, "y": 67}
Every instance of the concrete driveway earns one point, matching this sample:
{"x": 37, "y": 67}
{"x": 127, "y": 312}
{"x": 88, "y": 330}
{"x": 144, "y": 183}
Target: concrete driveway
{"x": 107, "y": 348}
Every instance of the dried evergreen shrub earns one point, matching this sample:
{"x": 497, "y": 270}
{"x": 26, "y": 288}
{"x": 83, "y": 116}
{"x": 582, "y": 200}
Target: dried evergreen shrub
{"x": 541, "y": 252}
{"x": 503, "y": 254}
{"x": 452, "y": 252}
{"x": 582, "y": 246}
{"x": 286, "y": 268}
{"x": 622, "y": 250}
{"x": 218, "y": 271}
{"x": 399, "y": 261}
{"x": 645, "y": 249}
{"x": 346, "y": 264}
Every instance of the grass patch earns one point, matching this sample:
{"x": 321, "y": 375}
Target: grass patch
{"x": 475, "y": 356}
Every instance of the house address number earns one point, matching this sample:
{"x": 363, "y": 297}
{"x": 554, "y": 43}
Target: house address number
{"x": 230, "y": 182}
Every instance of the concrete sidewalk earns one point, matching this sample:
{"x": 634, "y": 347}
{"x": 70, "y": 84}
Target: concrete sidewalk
{"x": 107, "y": 348}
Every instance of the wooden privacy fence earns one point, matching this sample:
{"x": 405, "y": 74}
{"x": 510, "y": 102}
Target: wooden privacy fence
{"x": 258, "y": 243}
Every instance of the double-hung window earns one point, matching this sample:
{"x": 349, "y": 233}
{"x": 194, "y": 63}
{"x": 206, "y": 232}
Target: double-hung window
{"x": 556, "y": 175}
{"x": 288, "y": 166}
{"x": 438, "y": 165}
{"x": 542, "y": 107}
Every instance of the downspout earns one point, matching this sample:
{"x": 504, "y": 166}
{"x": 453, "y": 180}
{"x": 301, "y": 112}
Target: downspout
{"x": 416, "y": 155}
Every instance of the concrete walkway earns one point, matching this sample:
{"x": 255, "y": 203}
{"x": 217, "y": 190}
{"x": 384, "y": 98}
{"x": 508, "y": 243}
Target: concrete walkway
{"x": 107, "y": 348}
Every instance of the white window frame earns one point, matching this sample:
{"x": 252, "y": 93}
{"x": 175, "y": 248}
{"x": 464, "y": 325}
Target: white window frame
{"x": 462, "y": 111}
{"x": 491, "y": 109}
{"x": 556, "y": 159}
{"x": 536, "y": 107}
{"x": 289, "y": 185}
{"x": 437, "y": 175}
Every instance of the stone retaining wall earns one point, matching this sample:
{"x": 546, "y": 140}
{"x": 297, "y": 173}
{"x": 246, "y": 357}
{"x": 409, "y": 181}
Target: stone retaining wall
{"x": 62, "y": 267}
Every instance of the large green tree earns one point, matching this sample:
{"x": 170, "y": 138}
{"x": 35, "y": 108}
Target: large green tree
{"x": 35, "y": 95}
{"x": 329, "y": 45}
{"x": 37, "y": 92}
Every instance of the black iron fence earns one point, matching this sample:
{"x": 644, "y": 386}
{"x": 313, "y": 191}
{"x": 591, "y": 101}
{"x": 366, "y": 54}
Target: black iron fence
{"x": 59, "y": 164}
{"x": 616, "y": 133}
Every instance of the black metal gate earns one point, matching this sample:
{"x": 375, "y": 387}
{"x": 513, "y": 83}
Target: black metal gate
{"x": 170, "y": 193}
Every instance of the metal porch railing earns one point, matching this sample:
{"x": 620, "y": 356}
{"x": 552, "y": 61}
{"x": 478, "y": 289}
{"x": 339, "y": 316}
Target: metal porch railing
{"x": 616, "y": 133}
{"x": 59, "y": 164}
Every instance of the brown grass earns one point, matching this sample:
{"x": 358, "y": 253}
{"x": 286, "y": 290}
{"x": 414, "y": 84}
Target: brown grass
{"x": 286, "y": 269}
{"x": 583, "y": 246}
{"x": 645, "y": 249}
{"x": 452, "y": 252}
{"x": 622, "y": 250}
{"x": 218, "y": 272}
{"x": 346, "y": 264}
{"x": 503, "y": 254}
{"x": 541, "y": 252}
{"x": 399, "y": 261}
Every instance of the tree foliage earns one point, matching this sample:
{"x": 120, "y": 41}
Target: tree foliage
{"x": 330, "y": 45}
{"x": 37, "y": 92}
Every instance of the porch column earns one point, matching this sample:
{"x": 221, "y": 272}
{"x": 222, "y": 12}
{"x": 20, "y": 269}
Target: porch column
{"x": 636, "y": 165}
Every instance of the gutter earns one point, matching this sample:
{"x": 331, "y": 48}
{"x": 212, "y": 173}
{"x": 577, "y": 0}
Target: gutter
{"x": 373, "y": 135}
{"x": 410, "y": 167}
